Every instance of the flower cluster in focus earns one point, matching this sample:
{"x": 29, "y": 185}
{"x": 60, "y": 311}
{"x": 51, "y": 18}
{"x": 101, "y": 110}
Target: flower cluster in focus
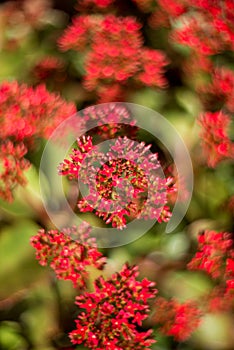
{"x": 114, "y": 312}
{"x": 125, "y": 182}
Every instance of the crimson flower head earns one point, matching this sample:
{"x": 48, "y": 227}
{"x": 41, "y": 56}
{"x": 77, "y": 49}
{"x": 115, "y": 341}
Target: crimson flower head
{"x": 208, "y": 27}
{"x": 114, "y": 312}
{"x": 13, "y": 165}
{"x": 124, "y": 183}
{"x": 213, "y": 250}
{"x": 215, "y": 140}
{"x": 26, "y": 114}
{"x": 220, "y": 90}
{"x": 179, "y": 320}
{"x": 30, "y": 112}
{"x": 48, "y": 67}
{"x": 215, "y": 256}
{"x": 114, "y": 55}
{"x": 69, "y": 252}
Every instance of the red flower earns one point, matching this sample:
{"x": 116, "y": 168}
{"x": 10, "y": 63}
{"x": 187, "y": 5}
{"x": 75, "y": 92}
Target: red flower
{"x": 30, "y": 112}
{"x": 27, "y": 113}
{"x": 213, "y": 248}
{"x": 215, "y": 140}
{"x": 68, "y": 257}
{"x": 205, "y": 30}
{"x": 114, "y": 54}
{"x": 77, "y": 36}
{"x": 152, "y": 68}
{"x": 48, "y": 67}
{"x": 221, "y": 89}
{"x": 113, "y": 311}
{"x": 13, "y": 165}
{"x": 179, "y": 320}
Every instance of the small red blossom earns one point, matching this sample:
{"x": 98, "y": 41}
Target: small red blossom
{"x": 179, "y": 320}
{"x": 215, "y": 140}
{"x": 48, "y": 67}
{"x": 68, "y": 252}
{"x": 113, "y": 311}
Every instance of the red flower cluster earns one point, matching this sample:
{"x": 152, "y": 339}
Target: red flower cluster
{"x": 48, "y": 67}
{"x": 114, "y": 311}
{"x": 215, "y": 140}
{"x": 207, "y": 26}
{"x": 115, "y": 54}
{"x": 68, "y": 252}
{"x": 215, "y": 256}
{"x": 13, "y": 164}
{"x": 207, "y": 29}
{"x": 164, "y": 12}
{"x": 30, "y": 112}
{"x": 179, "y": 320}
{"x": 27, "y": 113}
{"x": 125, "y": 182}
{"x": 214, "y": 251}
{"x": 220, "y": 299}
{"x": 220, "y": 91}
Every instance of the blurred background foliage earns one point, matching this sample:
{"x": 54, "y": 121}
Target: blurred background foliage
{"x": 37, "y": 311}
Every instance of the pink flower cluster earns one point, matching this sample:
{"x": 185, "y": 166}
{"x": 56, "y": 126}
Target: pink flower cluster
{"x": 126, "y": 182}
{"x": 69, "y": 253}
{"x": 114, "y": 311}
{"x": 112, "y": 119}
